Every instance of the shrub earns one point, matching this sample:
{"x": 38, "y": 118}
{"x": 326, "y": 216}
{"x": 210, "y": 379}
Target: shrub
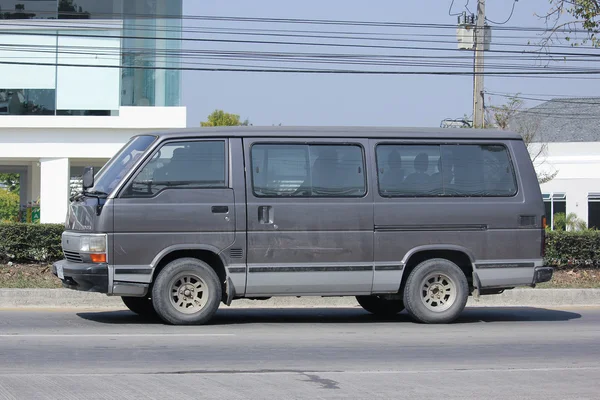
{"x": 566, "y": 249}
{"x": 9, "y": 205}
{"x": 24, "y": 243}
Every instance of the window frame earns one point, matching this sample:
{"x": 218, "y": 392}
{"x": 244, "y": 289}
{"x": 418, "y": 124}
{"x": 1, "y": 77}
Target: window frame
{"x": 123, "y": 192}
{"x": 309, "y": 144}
{"x": 439, "y": 145}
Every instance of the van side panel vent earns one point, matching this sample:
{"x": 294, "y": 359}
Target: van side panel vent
{"x": 236, "y": 253}
{"x": 527, "y": 220}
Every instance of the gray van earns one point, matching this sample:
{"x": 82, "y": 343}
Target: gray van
{"x": 418, "y": 219}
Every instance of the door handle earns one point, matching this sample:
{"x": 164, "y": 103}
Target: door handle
{"x": 265, "y": 214}
{"x": 220, "y": 209}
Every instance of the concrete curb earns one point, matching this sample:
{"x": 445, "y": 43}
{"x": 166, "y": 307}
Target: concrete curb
{"x": 64, "y": 298}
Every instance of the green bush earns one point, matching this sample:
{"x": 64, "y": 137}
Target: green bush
{"x": 25, "y": 243}
{"x": 566, "y": 249}
{"x": 9, "y": 205}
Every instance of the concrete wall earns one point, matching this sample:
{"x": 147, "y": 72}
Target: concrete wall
{"x": 45, "y": 148}
{"x": 578, "y": 173}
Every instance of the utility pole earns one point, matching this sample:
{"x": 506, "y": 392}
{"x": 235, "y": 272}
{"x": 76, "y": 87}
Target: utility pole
{"x": 478, "y": 105}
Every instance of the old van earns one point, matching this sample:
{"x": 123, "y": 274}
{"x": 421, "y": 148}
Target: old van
{"x": 419, "y": 219}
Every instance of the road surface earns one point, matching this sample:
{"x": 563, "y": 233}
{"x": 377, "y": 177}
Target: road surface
{"x": 496, "y": 353}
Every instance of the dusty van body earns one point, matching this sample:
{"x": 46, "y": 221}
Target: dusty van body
{"x": 417, "y": 219}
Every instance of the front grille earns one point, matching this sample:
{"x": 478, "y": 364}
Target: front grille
{"x": 73, "y": 256}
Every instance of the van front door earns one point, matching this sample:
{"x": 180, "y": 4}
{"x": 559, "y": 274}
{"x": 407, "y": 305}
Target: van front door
{"x": 180, "y": 199}
{"x": 310, "y": 217}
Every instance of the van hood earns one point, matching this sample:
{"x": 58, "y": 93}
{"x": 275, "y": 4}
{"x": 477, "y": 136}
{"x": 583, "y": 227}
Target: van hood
{"x": 82, "y": 215}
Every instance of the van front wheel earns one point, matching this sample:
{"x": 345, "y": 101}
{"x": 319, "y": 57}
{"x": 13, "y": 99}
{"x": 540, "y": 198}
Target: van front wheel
{"x": 380, "y": 306}
{"x": 436, "y": 291}
{"x": 186, "y": 292}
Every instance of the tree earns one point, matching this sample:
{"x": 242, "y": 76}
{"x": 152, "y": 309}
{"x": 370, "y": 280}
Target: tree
{"x": 529, "y": 128}
{"x": 9, "y": 206}
{"x": 580, "y": 14}
{"x": 221, "y": 118}
{"x": 568, "y": 222}
{"x": 11, "y": 181}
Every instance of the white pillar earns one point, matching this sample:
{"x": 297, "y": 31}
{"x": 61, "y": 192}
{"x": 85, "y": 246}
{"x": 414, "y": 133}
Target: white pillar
{"x": 54, "y": 193}
{"x": 33, "y": 182}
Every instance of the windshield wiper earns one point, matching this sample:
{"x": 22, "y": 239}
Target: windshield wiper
{"x": 95, "y": 193}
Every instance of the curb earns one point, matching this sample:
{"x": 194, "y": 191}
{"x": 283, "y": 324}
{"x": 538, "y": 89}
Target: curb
{"x": 65, "y": 298}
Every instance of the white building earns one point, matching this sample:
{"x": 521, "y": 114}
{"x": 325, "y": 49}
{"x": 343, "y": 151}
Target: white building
{"x": 569, "y": 128}
{"x": 65, "y": 101}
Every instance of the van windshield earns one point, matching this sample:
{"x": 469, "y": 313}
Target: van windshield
{"x": 111, "y": 174}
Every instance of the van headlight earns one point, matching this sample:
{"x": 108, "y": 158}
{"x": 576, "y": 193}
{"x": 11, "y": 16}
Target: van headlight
{"x": 94, "y": 246}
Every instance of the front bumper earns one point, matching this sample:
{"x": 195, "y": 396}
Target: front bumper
{"x": 542, "y": 274}
{"x": 83, "y": 276}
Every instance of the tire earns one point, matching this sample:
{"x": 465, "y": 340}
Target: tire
{"x": 380, "y": 306}
{"x": 430, "y": 279}
{"x": 140, "y": 305}
{"x": 198, "y": 292}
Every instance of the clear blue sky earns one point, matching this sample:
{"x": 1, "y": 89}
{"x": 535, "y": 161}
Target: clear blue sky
{"x": 374, "y": 100}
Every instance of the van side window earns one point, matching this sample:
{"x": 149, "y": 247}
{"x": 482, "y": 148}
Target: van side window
{"x": 181, "y": 165}
{"x": 300, "y": 170}
{"x": 445, "y": 170}
{"x": 409, "y": 170}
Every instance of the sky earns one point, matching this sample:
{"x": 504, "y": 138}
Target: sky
{"x": 358, "y": 100}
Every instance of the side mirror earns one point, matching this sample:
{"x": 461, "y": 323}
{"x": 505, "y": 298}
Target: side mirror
{"x": 88, "y": 177}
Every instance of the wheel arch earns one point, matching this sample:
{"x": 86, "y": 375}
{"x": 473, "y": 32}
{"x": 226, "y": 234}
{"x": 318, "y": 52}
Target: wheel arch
{"x": 209, "y": 254}
{"x": 459, "y": 255}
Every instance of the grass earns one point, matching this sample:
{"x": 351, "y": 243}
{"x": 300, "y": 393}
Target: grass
{"x": 573, "y": 279}
{"x": 28, "y": 276}
{"x": 40, "y": 276}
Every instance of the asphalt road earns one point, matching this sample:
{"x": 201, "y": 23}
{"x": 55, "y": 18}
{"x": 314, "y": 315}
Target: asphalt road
{"x": 508, "y": 353}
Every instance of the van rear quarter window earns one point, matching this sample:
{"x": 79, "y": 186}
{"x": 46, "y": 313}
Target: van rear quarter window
{"x": 445, "y": 170}
{"x": 301, "y": 170}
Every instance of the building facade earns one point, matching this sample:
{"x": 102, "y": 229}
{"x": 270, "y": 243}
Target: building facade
{"x": 565, "y": 135}
{"x": 78, "y": 78}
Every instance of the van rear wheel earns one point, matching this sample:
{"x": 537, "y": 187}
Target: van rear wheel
{"x": 142, "y": 306}
{"x": 380, "y": 306}
{"x": 186, "y": 292}
{"x": 436, "y": 291}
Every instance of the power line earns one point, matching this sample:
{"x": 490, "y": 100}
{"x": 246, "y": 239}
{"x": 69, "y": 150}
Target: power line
{"x": 575, "y": 102}
{"x": 268, "y": 20}
{"x": 509, "y": 17}
{"x": 450, "y": 10}
{"x": 533, "y": 94}
{"x": 317, "y": 44}
{"x": 310, "y": 71}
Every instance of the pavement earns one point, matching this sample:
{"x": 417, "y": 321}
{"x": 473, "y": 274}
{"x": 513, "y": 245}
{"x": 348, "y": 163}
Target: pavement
{"x": 11, "y": 298}
{"x": 301, "y": 353}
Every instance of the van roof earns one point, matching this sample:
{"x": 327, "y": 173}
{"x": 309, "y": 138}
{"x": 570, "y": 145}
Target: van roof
{"x": 341, "y": 132}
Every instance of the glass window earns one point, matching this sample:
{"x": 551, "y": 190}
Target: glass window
{"x": 554, "y": 203}
{"x": 594, "y": 211}
{"x": 111, "y": 174}
{"x": 182, "y": 165}
{"x": 409, "y": 170}
{"x": 27, "y": 101}
{"x": 446, "y": 170}
{"x": 28, "y": 9}
{"x": 300, "y": 170}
